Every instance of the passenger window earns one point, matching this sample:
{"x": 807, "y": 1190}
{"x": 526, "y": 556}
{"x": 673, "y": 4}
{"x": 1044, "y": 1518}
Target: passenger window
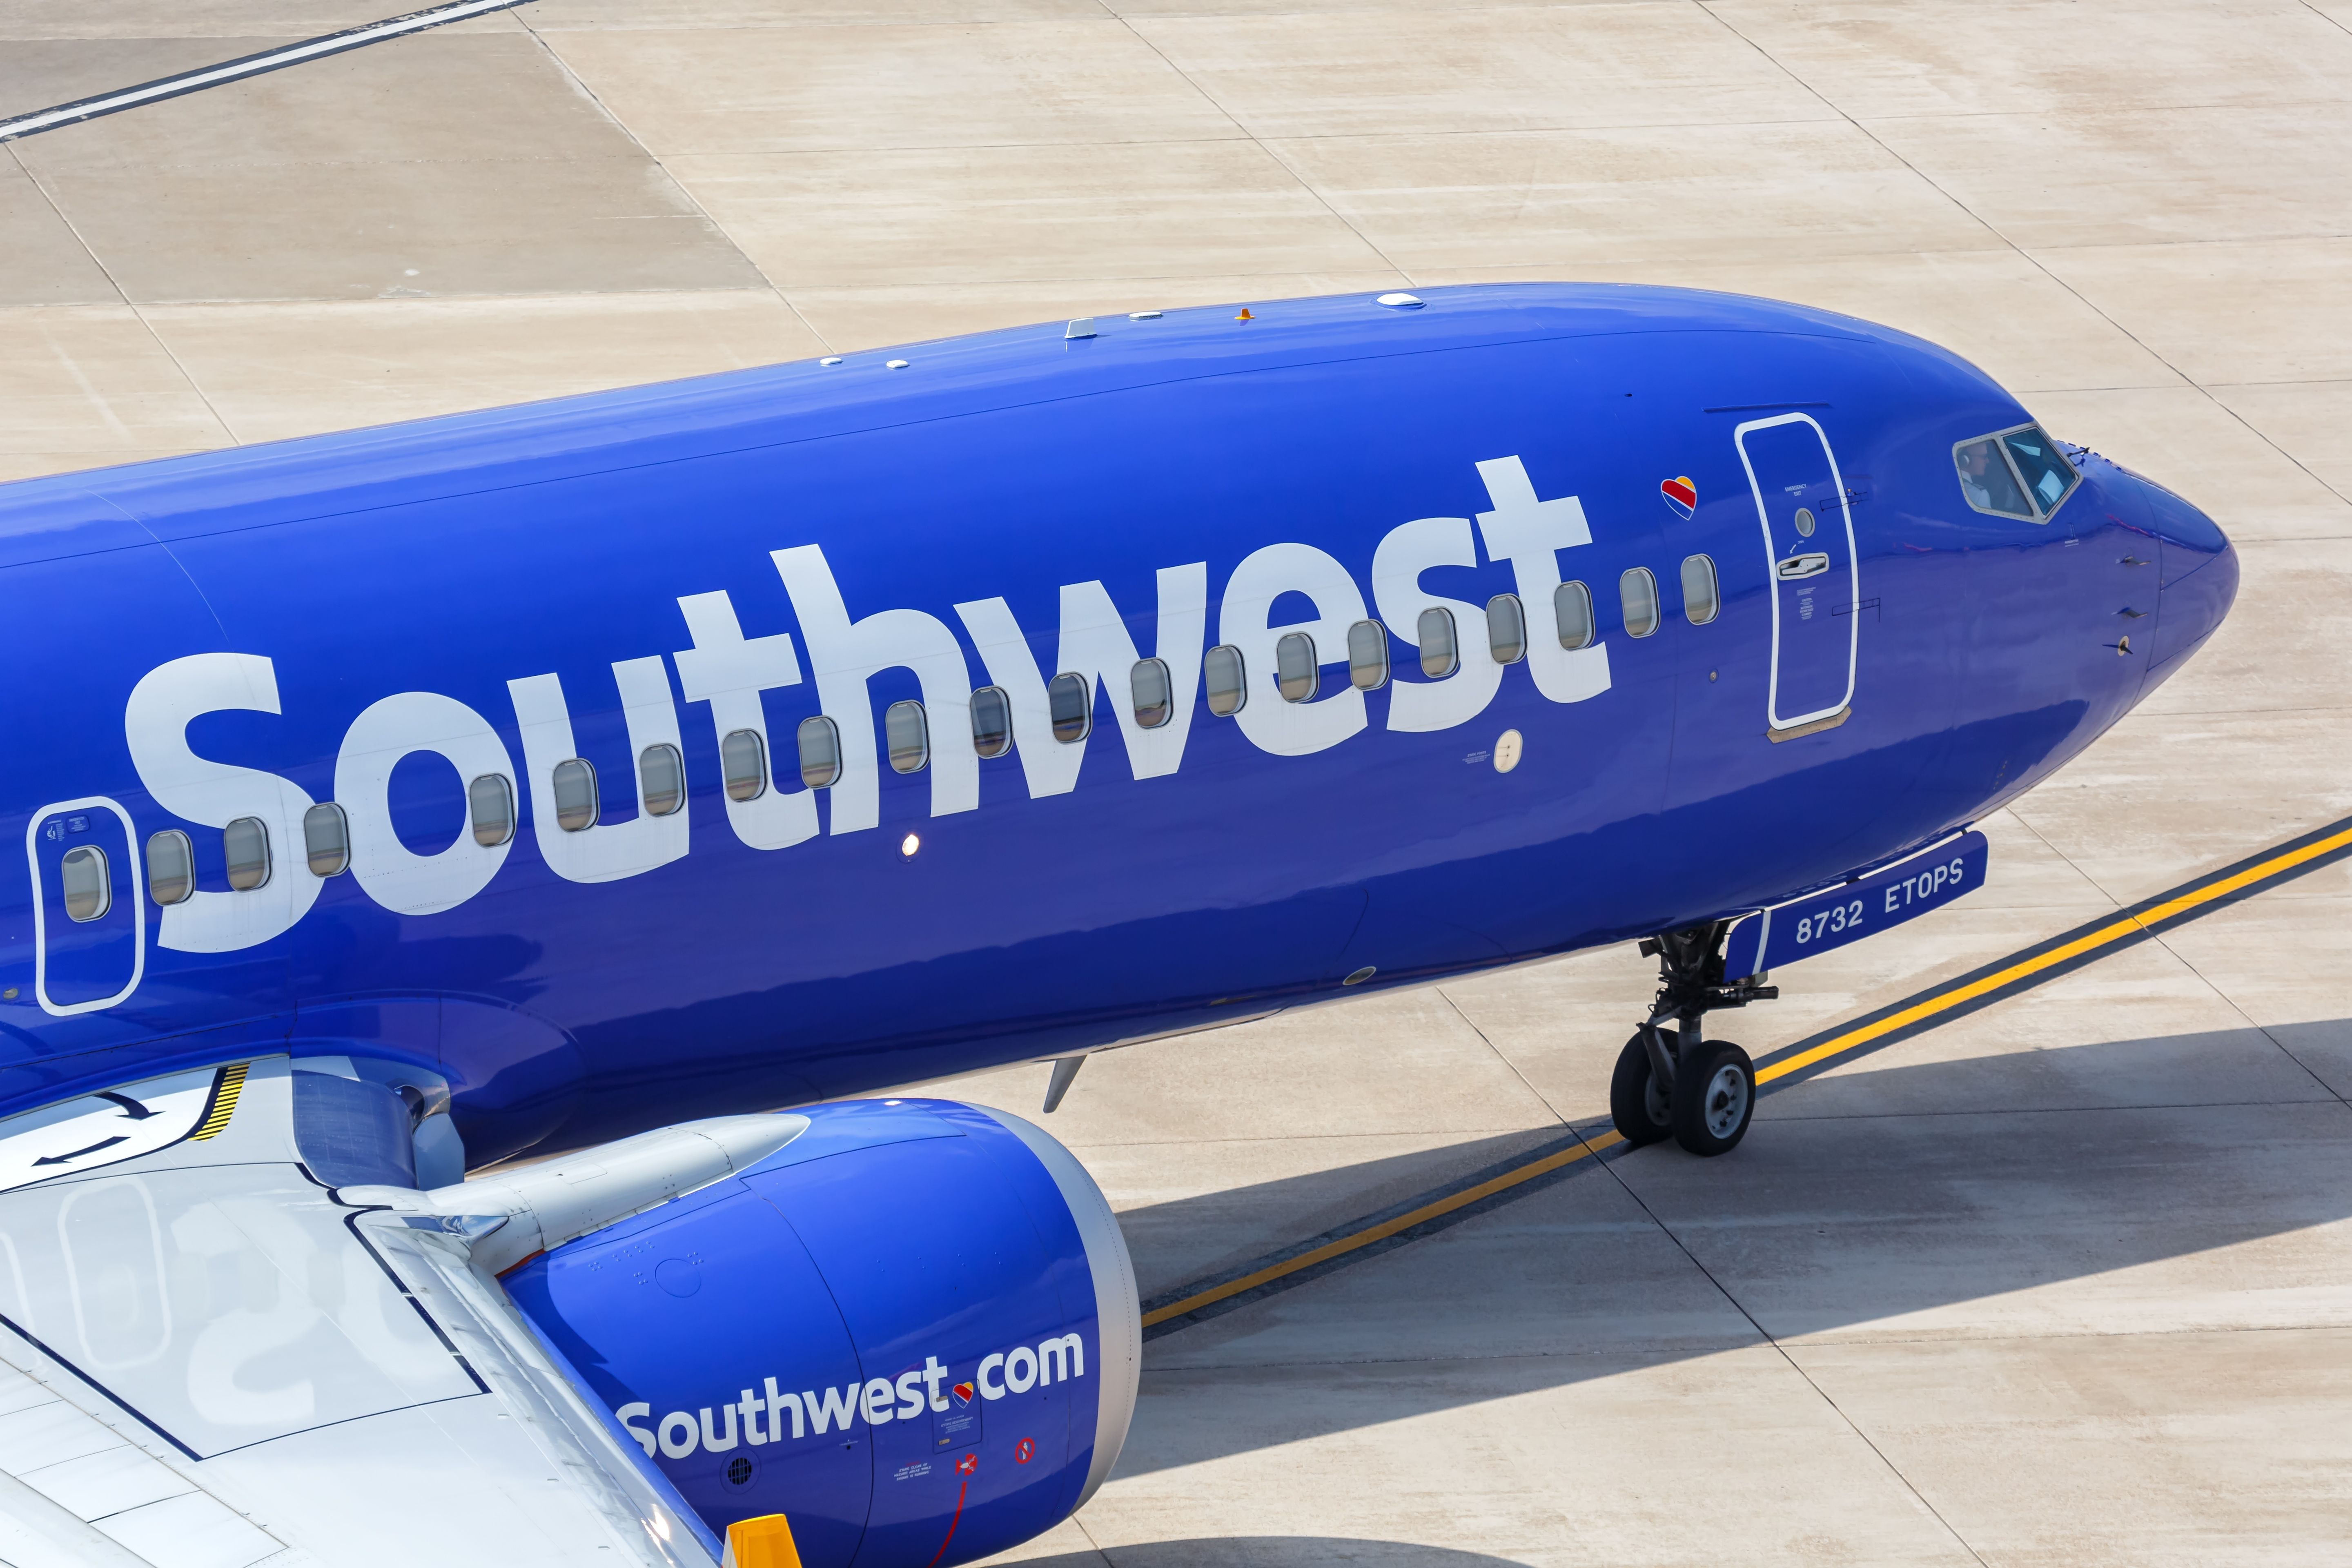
{"x": 1296, "y": 673}
{"x": 820, "y": 747}
{"x": 1070, "y": 703}
{"x": 326, "y": 840}
{"x": 1440, "y": 653}
{"x": 490, "y": 801}
{"x": 1985, "y": 480}
{"x": 1507, "y": 628}
{"x": 1571, "y": 607}
{"x": 2047, "y": 474}
{"x": 992, "y": 721}
{"x": 171, "y": 866}
{"x": 1227, "y": 681}
{"x": 661, "y": 780}
{"x": 1367, "y": 656}
{"x": 1700, "y": 600}
{"x": 908, "y": 735}
{"x": 89, "y": 893}
{"x": 244, "y": 844}
{"x": 1153, "y": 690}
{"x": 743, "y": 764}
{"x": 575, "y": 795}
{"x": 1637, "y": 596}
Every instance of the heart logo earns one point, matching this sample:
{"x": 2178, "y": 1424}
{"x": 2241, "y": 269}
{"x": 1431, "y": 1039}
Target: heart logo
{"x": 1681, "y": 494}
{"x": 962, "y": 1392}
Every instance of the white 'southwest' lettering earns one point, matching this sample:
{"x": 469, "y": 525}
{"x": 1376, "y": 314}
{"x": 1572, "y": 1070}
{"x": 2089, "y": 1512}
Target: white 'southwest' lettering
{"x": 155, "y": 724}
{"x": 608, "y": 851}
{"x": 729, "y": 671}
{"x": 1529, "y": 534}
{"x": 399, "y": 726}
{"x": 1403, "y": 555}
{"x": 1292, "y": 729}
{"x": 1095, "y": 643}
{"x": 778, "y": 1403}
{"x": 831, "y": 1407}
{"x": 845, "y": 653}
{"x": 715, "y": 1428}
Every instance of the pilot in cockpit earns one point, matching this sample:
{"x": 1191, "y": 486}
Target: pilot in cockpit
{"x": 1980, "y": 474}
{"x": 1990, "y": 484}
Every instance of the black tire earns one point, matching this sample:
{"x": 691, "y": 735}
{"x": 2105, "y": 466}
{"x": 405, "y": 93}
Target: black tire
{"x": 1638, "y": 1103}
{"x": 1715, "y": 1099}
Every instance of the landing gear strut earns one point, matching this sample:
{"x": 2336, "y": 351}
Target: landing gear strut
{"x": 1674, "y": 1080}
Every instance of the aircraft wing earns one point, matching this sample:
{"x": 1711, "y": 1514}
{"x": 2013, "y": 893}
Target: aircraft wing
{"x": 209, "y": 1359}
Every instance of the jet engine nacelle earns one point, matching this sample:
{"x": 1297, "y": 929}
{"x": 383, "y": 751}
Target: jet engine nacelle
{"x": 913, "y": 1330}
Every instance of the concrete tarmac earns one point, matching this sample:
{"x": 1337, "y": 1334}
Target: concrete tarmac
{"x": 2068, "y": 1280}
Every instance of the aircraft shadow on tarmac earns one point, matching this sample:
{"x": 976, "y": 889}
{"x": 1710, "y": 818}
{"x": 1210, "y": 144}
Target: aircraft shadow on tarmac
{"x": 1272, "y": 1551}
{"x": 2062, "y": 1190}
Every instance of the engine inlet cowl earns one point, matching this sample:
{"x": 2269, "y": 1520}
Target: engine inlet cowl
{"x": 912, "y": 1332}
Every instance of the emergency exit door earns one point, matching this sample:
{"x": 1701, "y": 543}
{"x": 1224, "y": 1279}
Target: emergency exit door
{"x": 1810, "y": 561}
{"x": 89, "y": 933}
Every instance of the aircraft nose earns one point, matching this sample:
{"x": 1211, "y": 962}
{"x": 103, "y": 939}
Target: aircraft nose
{"x": 2197, "y": 581}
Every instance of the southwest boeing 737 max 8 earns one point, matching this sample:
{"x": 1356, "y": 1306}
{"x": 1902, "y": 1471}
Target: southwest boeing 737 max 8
{"x": 591, "y": 777}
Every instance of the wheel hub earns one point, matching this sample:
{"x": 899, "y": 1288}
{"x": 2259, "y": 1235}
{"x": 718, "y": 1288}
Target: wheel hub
{"x": 1727, "y": 1101}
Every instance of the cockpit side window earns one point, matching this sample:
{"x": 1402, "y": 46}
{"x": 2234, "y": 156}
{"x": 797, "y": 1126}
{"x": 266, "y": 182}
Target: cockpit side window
{"x": 1987, "y": 480}
{"x": 2047, "y": 474}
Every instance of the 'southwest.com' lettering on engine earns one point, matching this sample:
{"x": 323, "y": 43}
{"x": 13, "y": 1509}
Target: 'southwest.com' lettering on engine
{"x": 758, "y": 1417}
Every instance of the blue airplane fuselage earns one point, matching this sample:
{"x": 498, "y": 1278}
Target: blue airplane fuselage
{"x": 379, "y": 618}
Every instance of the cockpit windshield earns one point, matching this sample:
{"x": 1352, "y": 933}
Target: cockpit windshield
{"x": 2047, "y": 474}
{"x": 2018, "y": 473}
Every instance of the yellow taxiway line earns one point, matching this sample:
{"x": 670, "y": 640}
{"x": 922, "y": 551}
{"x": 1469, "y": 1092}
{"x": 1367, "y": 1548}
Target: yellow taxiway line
{"x": 1356, "y": 1240}
{"x": 2132, "y": 924}
{"x": 2019, "y": 971}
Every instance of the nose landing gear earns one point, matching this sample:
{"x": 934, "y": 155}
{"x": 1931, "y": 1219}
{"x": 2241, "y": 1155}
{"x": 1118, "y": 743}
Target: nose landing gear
{"x": 1674, "y": 1081}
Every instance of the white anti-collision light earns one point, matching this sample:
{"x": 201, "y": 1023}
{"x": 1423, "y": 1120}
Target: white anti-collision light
{"x": 1399, "y": 301}
{"x": 908, "y": 845}
{"x": 1143, "y": 315}
{"x": 894, "y": 364}
{"x": 830, "y": 359}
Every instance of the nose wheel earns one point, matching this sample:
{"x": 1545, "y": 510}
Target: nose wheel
{"x": 1673, "y": 1081}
